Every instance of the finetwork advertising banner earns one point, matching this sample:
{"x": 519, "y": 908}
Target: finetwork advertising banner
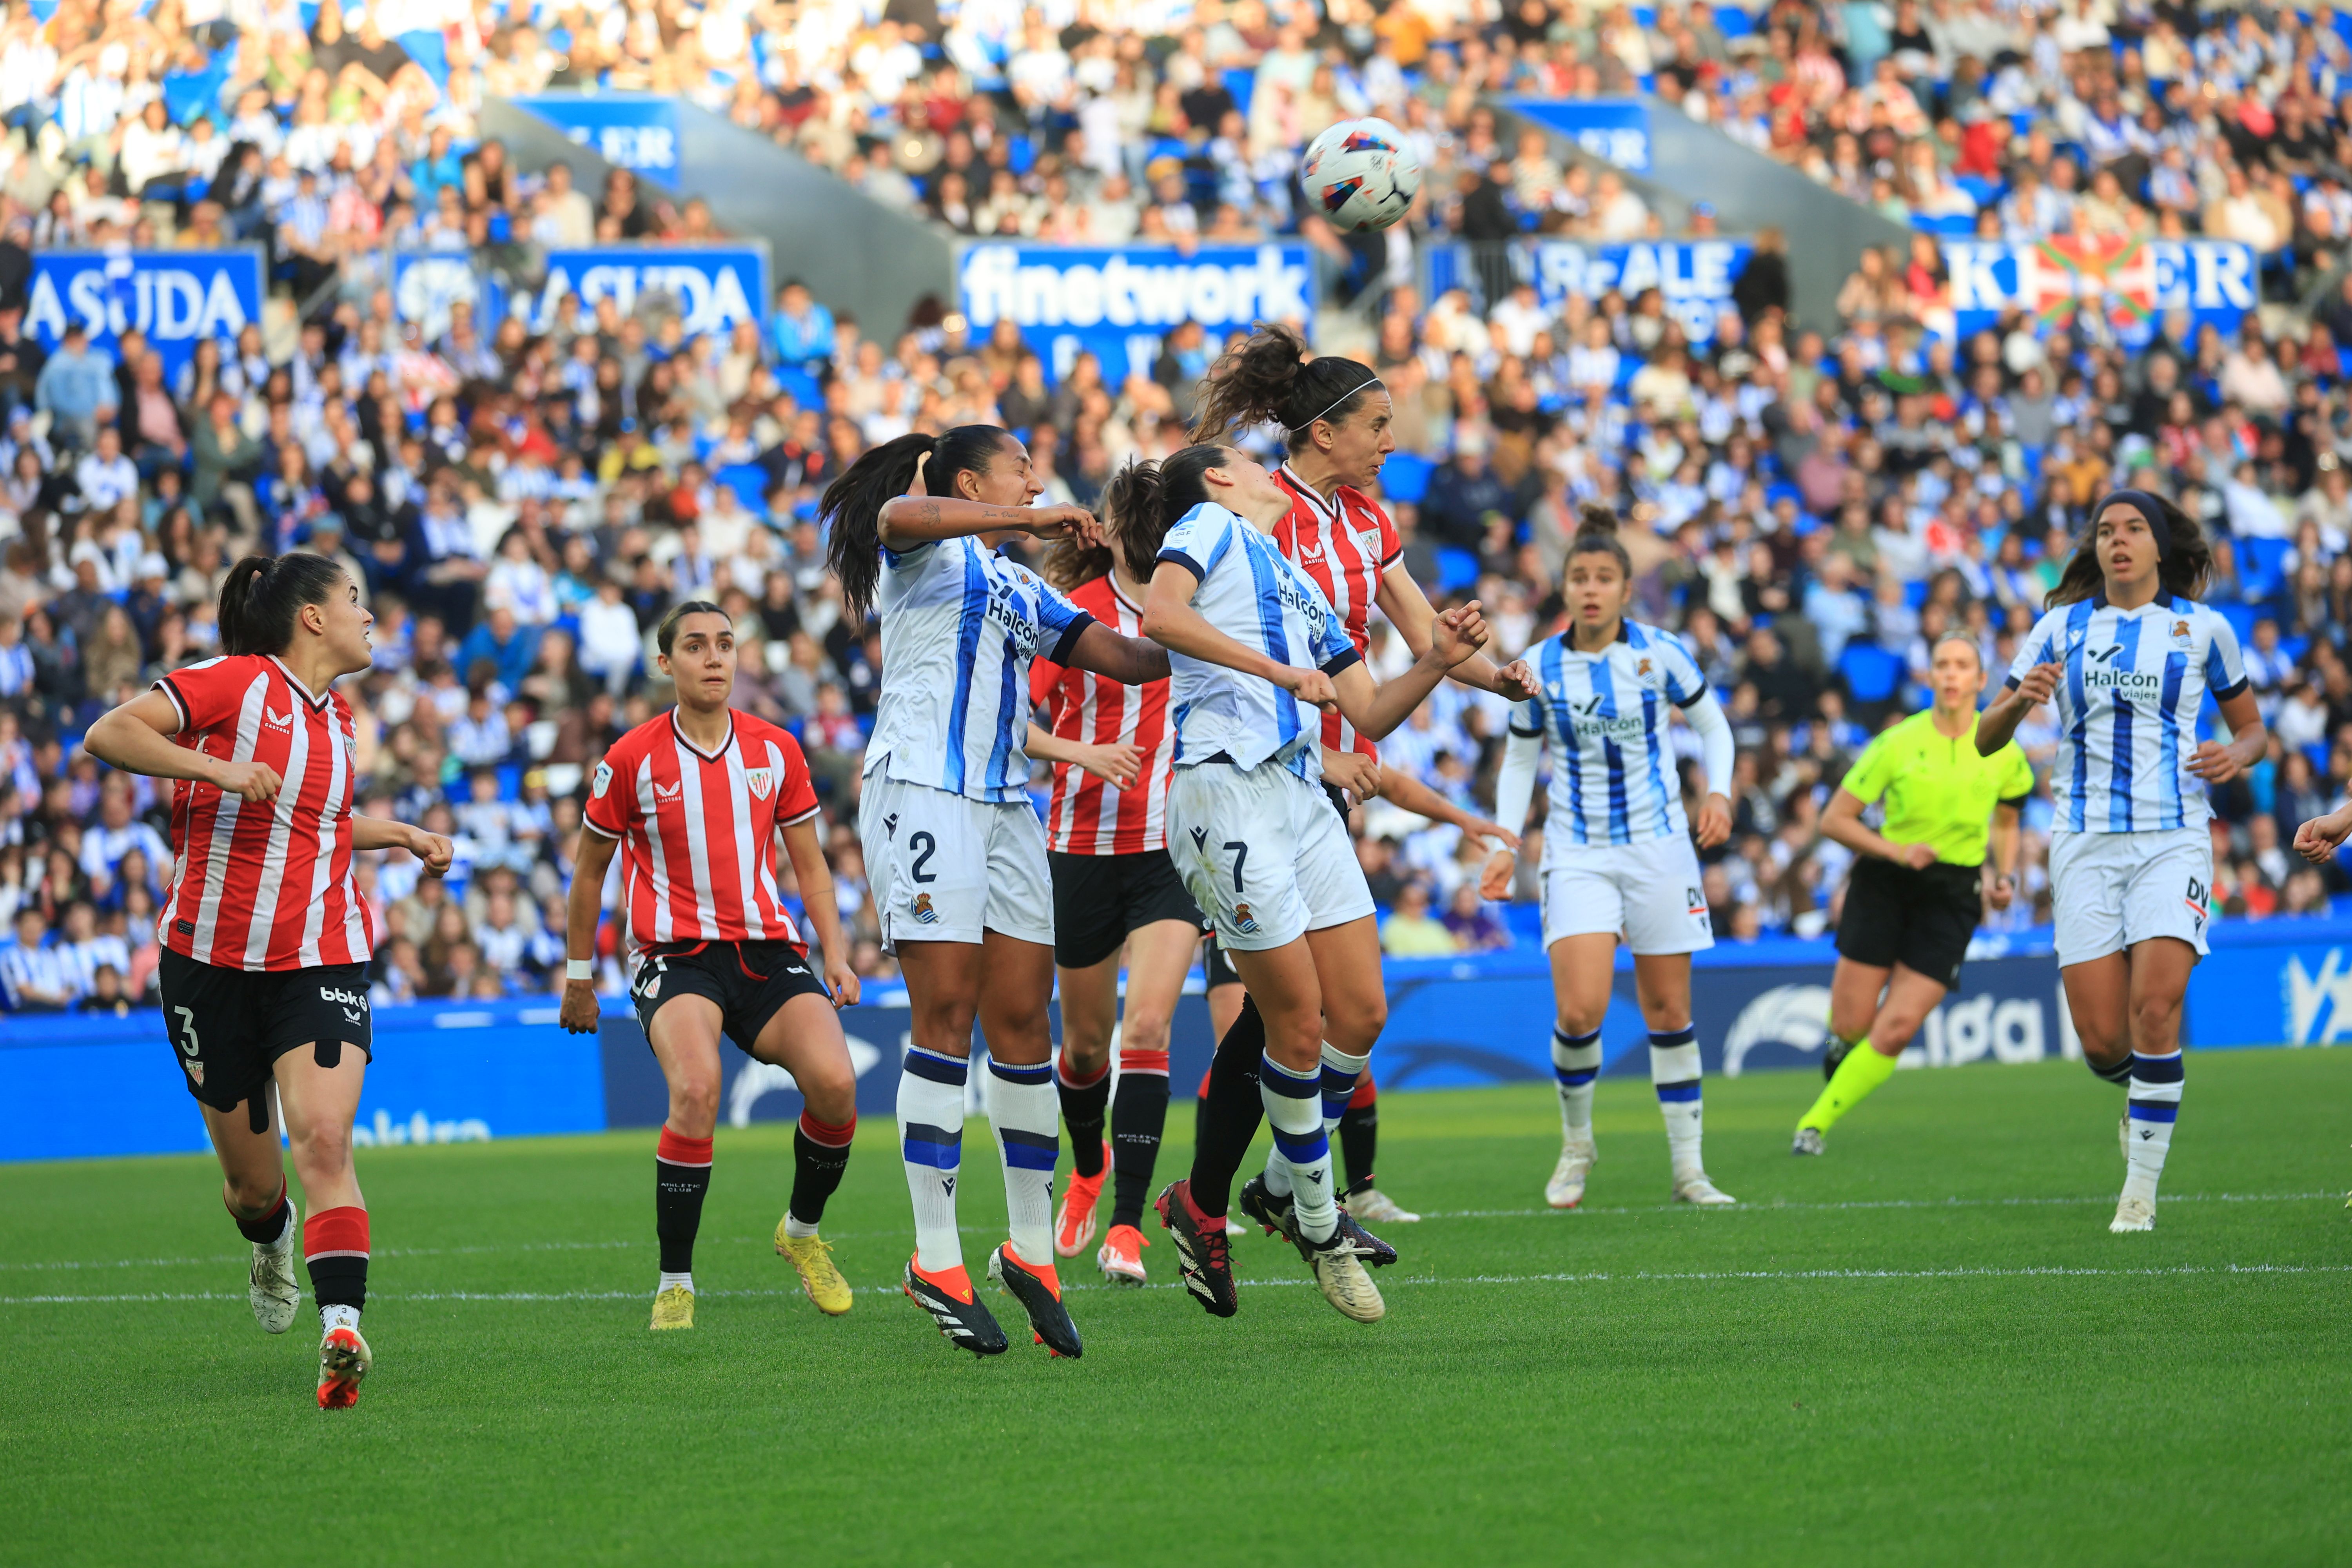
{"x": 714, "y": 286}
{"x": 630, "y": 131}
{"x": 2106, "y": 288}
{"x": 174, "y": 297}
{"x": 1117, "y": 304}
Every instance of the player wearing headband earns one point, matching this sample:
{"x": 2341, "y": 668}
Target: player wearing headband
{"x": 2127, "y": 656}
{"x": 1336, "y": 418}
{"x": 1921, "y": 883}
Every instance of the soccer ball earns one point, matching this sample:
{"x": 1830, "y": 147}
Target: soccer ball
{"x": 1361, "y": 175}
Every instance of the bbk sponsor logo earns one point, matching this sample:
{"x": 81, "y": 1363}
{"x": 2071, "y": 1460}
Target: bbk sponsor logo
{"x": 341, "y": 999}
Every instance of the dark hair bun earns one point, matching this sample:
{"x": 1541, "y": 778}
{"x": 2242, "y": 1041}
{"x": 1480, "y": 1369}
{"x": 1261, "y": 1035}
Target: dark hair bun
{"x": 1592, "y": 519}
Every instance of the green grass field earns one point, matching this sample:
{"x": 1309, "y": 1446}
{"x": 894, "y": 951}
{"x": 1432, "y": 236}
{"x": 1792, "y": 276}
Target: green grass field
{"x": 1924, "y": 1348}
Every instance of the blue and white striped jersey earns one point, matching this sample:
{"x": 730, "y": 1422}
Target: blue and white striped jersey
{"x": 2127, "y": 708}
{"x": 1603, "y": 715}
{"x": 960, "y": 625}
{"x": 1252, "y": 593}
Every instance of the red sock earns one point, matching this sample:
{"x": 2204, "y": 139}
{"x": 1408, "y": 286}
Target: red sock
{"x": 335, "y": 1245}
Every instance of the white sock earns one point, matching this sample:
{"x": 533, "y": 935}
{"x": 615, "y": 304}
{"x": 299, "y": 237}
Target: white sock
{"x": 668, "y": 1279}
{"x": 1673, "y": 1069}
{"x": 2156, "y": 1083}
{"x": 1575, "y": 1063}
{"x": 1340, "y": 1072}
{"x": 799, "y": 1229}
{"x": 1026, "y": 1113}
{"x": 1300, "y": 1143}
{"x": 333, "y": 1318}
{"x": 930, "y": 1144}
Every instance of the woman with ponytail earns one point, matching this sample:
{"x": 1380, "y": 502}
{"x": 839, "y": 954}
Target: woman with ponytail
{"x": 2128, "y": 656}
{"x": 1617, "y": 845}
{"x": 1255, "y": 650}
{"x": 266, "y": 941}
{"x": 957, "y": 856}
{"x": 1337, "y": 421}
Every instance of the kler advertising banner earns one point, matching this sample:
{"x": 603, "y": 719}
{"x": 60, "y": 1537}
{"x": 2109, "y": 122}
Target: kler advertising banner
{"x": 632, "y": 131}
{"x": 174, "y": 297}
{"x": 1118, "y": 304}
{"x": 2109, "y": 289}
{"x": 1615, "y": 129}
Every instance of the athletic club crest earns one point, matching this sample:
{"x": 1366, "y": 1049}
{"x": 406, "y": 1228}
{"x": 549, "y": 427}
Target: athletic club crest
{"x": 1244, "y": 921}
{"x": 759, "y": 781}
{"x": 923, "y": 910}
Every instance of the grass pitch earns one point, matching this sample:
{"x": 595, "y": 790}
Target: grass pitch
{"x": 1924, "y": 1348}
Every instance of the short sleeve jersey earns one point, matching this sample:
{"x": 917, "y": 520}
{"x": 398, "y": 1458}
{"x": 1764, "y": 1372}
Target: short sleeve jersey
{"x": 698, "y": 829}
{"x": 264, "y": 886}
{"x": 2127, "y": 708}
{"x": 1938, "y": 789}
{"x": 1614, "y": 779}
{"x": 959, "y": 626}
{"x": 1250, "y": 591}
{"x": 1346, "y": 544}
{"x": 1087, "y": 816}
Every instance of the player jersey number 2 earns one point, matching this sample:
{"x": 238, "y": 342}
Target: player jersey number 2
{"x": 925, "y": 846}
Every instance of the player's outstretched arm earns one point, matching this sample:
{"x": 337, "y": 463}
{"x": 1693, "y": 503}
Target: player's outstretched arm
{"x": 590, "y": 859}
{"x": 1170, "y": 620}
{"x": 814, "y": 875}
{"x": 1515, "y": 788}
{"x": 1409, "y": 610}
{"x": 912, "y": 521}
{"x": 1399, "y": 787}
{"x": 1114, "y": 763}
{"x": 376, "y": 832}
{"x": 1131, "y": 661}
{"x": 137, "y": 738}
{"x": 2317, "y": 839}
{"x": 1376, "y": 710}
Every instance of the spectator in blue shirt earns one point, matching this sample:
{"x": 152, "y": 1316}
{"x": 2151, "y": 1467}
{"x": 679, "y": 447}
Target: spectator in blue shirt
{"x": 77, "y": 390}
{"x": 509, "y": 645}
{"x": 439, "y": 166}
{"x": 32, "y": 974}
{"x": 804, "y": 329}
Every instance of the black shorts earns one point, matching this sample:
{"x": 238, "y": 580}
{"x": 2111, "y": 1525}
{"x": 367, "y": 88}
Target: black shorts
{"x": 1921, "y": 920}
{"x": 749, "y": 981}
{"x": 1099, "y": 898}
{"x": 231, "y": 1026}
{"x": 1220, "y": 968}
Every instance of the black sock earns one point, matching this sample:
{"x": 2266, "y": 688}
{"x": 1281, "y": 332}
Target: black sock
{"x": 1360, "y": 1143}
{"x": 1084, "y": 1106}
{"x": 2119, "y": 1071}
{"x": 1230, "y": 1112}
{"x": 1138, "y": 1114}
{"x": 339, "y": 1281}
{"x": 269, "y": 1227}
{"x": 681, "y": 1177}
{"x": 817, "y": 1166}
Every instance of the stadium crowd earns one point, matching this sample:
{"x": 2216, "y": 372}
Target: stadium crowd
{"x": 1810, "y": 508}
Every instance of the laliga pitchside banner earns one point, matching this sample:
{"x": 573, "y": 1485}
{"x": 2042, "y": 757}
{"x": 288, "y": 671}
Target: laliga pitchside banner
{"x": 714, "y": 286}
{"x": 2110, "y": 286}
{"x": 174, "y": 297}
{"x": 1117, "y": 304}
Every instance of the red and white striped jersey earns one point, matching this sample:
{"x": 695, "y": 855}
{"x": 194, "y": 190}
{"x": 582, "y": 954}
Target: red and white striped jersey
{"x": 264, "y": 886}
{"x": 1345, "y": 543}
{"x": 1085, "y": 815}
{"x": 698, "y": 829}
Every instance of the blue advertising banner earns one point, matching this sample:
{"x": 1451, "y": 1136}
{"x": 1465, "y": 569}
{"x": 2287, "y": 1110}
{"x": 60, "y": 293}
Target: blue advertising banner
{"x": 426, "y": 284}
{"x": 1694, "y": 276}
{"x": 715, "y": 285}
{"x": 1616, "y": 128}
{"x": 632, "y": 129}
{"x": 174, "y": 297}
{"x": 2107, "y": 288}
{"x": 1118, "y": 303}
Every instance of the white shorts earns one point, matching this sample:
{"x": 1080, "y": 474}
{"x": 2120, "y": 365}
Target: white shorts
{"x": 1262, "y": 854}
{"x": 945, "y": 867}
{"x": 1648, "y": 893}
{"x": 2110, "y": 891}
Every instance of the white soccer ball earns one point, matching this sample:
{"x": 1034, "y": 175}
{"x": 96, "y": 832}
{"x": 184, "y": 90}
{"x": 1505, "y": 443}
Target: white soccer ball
{"x": 1361, "y": 174}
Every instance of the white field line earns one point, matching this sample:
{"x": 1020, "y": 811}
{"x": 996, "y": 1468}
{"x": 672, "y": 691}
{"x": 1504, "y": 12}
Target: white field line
{"x": 1585, "y": 1277}
{"x": 219, "y": 1257}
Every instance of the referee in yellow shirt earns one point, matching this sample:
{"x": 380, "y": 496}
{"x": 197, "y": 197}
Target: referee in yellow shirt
{"x": 1920, "y": 885}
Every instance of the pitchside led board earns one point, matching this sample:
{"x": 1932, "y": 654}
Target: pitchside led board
{"x": 174, "y": 297}
{"x": 1118, "y": 304}
{"x": 2111, "y": 287}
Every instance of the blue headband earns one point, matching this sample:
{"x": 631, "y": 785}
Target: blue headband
{"x": 2148, "y": 506}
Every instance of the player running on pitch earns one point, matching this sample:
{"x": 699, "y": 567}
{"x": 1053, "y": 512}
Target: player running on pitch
{"x": 1921, "y": 883}
{"x": 955, "y": 851}
{"x": 1617, "y": 856}
{"x": 1255, "y": 650}
{"x": 1337, "y": 420}
{"x": 2128, "y": 656}
{"x": 693, "y": 800}
{"x": 266, "y": 941}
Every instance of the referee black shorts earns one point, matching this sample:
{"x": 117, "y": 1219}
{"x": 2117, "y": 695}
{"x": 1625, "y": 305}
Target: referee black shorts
{"x": 1099, "y": 898}
{"x": 1921, "y": 920}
